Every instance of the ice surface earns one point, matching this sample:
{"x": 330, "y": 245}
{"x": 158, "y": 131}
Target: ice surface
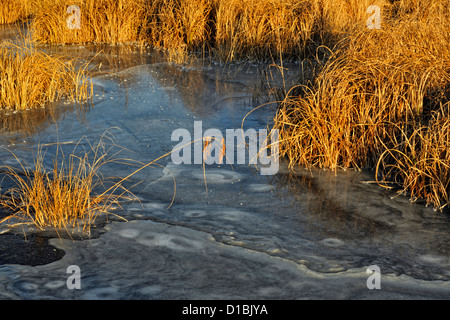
{"x": 150, "y": 260}
{"x": 222, "y": 231}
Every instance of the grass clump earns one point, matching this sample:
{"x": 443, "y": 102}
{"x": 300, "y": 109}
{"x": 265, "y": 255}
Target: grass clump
{"x": 262, "y": 29}
{"x": 100, "y": 21}
{"x": 73, "y": 193}
{"x": 30, "y": 78}
{"x": 180, "y": 27}
{"x": 12, "y": 11}
{"x": 381, "y": 101}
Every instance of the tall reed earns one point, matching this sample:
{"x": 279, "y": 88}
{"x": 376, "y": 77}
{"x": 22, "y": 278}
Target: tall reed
{"x": 261, "y": 29}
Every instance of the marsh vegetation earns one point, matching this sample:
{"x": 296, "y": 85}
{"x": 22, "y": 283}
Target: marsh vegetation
{"x": 377, "y": 98}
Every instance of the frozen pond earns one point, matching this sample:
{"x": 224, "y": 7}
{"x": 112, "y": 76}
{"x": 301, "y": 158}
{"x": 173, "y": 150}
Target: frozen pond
{"x": 242, "y": 235}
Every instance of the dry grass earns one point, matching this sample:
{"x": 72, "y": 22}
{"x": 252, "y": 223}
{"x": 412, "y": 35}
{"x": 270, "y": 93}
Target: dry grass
{"x": 381, "y": 101}
{"x": 228, "y": 29}
{"x": 12, "y": 11}
{"x": 420, "y": 164}
{"x": 101, "y": 21}
{"x": 179, "y": 26}
{"x": 30, "y": 78}
{"x": 71, "y": 194}
{"x": 246, "y": 29}
{"x": 74, "y": 192}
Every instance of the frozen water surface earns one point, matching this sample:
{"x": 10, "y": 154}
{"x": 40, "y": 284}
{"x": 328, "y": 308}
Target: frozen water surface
{"x": 224, "y": 232}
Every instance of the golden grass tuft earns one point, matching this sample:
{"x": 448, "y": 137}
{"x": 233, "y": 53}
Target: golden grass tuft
{"x": 30, "y": 78}
{"x": 380, "y": 101}
{"x": 12, "y": 11}
{"x": 246, "y": 29}
{"x": 179, "y": 26}
{"x": 71, "y": 194}
{"x": 420, "y": 164}
{"x": 101, "y": 21}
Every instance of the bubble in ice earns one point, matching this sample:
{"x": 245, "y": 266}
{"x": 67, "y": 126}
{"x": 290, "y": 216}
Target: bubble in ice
{"x": 218, "y": 176}
{"x": 332, "y": 242}
{"x": 102, "y": 293}
{"x": 55, "y": 284}
{"x": 260, "y": 187}
{"x": 150, "y": 290}
{"x": 28, "y": 286}
{"x": 430, "y": 258}
{"x": 232, "y": 214}
{"x": 154, "y": 205}
{"x": 195, "y": 213}
{"x": 129, "y": 233}
{"x": 153, "y": 239}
